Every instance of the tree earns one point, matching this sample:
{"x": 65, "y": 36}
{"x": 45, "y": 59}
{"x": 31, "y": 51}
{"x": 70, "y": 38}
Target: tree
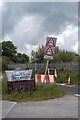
{"x": 25, "y": 58}
{"x": 60, "y": 55}
{"x": 0, "y": 48}
{"x": 8, "y": 49}
{"x": 38, "y": 56}
{"x": 5, "y": 62}
{"x": 22, "y": 58}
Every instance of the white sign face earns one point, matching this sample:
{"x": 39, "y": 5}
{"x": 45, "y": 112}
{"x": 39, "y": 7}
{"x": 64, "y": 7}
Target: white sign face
{"x": 14, "y": 75}
{"x": 51, "y": 41}
{"x": 48, "y": 57}
{"x": 50, "y": 48}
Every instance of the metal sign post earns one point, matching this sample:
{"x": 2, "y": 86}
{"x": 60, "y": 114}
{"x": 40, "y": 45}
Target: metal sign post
{"x": 49, "y": 52}
{"x": 46, "y": 71}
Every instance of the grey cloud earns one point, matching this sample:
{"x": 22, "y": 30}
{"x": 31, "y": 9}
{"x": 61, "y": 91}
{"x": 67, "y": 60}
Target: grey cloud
{"x": 47, "y": 18}
{"x": 0, "y": 22}
{"x": 70, "y": 41}
{"x": 29, "y": 31}
{"x": 11, "y": 17}
{"x": 55, "y": 14}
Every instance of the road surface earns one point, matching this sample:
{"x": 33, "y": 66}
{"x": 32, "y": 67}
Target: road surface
{"x": 71, "y": 89}
{"x": 65, "y": 107}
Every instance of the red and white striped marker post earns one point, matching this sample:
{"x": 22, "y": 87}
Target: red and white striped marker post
{"x": 69, "y": 81}
{"x": 48, "y": 78}
{"x": 55, "y": 76}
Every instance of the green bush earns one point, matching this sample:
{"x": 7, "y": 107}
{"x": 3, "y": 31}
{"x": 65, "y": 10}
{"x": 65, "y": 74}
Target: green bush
{"x": 63, "y": 76}
{"x": 42, "y": 92}
{"x": 40, "y": 71}
{"x": 5, "y": 62}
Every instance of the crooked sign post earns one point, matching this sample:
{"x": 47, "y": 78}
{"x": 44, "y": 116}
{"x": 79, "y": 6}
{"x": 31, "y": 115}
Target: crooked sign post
{"x": 49, "y": 51}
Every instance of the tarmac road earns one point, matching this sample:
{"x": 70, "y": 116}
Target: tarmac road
{"x": 71, "y": 89}
{"x": 65, "y": 107}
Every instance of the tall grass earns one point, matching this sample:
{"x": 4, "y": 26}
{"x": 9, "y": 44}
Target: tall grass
{"x": 42, "y": 92}
{"x": 63, "y": 76}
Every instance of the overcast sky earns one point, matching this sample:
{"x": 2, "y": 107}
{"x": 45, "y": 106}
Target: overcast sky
{"x": 29, "y": 24}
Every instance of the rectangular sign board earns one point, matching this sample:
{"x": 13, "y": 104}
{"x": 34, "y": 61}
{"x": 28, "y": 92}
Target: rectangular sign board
{"x": 49, "y": 49}
{"x": 14, "y": 75}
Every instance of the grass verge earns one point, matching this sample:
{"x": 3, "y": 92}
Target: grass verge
{"x": 42, "y": 92}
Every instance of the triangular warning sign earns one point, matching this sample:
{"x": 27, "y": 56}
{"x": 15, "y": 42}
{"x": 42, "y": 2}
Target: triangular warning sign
{"x": 49, "y": 52}
{"x": 50, "y": 42}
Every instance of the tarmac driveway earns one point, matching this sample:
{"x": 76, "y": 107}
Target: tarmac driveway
{"x": 65, "y": 107}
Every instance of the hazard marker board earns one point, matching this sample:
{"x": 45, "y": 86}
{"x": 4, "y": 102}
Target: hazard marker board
{"x": 49, "y": 49}
{"x": 49, "y": 52}
{"x": 51, "y": 42}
